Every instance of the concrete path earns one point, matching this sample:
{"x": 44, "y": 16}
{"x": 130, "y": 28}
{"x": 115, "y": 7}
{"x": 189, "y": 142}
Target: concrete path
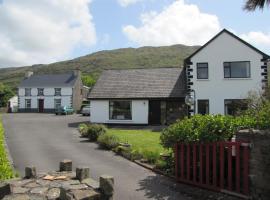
{"x": 43, "y": 140}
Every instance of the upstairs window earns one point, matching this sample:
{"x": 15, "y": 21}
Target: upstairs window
{"x": 120, "y": 110}
{"x": 27, "y": 91}
{"x": 202, "y": 70}
{"x": 40, "y": 91}
{"x": 57, "y": 91}
{"x": 239, "y": 69}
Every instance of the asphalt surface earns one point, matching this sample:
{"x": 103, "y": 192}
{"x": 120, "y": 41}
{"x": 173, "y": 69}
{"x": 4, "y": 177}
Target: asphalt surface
{"x": 42, "y": 140}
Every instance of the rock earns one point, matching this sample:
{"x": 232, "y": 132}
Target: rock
{"x": 32, "y": 185}
{"x": 30, "y": 172}
{"x": 17, "y": 197}
{"x": 21, "y": 182}
{"x": 82, "y": 173}
{"x": 19, "y": 190}
{"x": 65, "y": 165}
{"x": 53, "y": 194}
{"x": 39, "y": 190}
{"x": 4, "y": 189}
{"x": 75, "y": 187}
{"x": 85, "y": 195}
{"x": 91, "y": 183}
{"x": 106, "y": 184}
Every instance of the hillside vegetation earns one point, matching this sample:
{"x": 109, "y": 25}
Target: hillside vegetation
{"x": 144, "y": 57}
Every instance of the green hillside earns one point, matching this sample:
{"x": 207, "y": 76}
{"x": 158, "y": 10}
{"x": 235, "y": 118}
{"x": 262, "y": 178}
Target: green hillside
{"x": 144, "y": 57}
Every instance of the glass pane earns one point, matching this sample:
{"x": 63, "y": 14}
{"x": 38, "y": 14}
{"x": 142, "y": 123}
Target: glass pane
{"x": 227, "y": 72}
{"x": 237, "y": 69}
{"x": 203, "y": 107}
{"x": 120, "y": 110}
{"x": 202, "y": 73}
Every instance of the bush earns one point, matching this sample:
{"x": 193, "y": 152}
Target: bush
{"x": 95, "y": 130}
{"x": 203, "y": 128}
{"x": 150, "y": 156}
{"x": 83, "y": 129}
{"x": 107, "y": 141}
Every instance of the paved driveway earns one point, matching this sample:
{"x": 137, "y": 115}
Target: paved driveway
{"x": 43, "y": 140}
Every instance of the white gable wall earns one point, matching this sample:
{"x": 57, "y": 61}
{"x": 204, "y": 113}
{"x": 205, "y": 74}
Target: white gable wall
{"x": 225, "y": 48}
{"x": 99, "y": 110}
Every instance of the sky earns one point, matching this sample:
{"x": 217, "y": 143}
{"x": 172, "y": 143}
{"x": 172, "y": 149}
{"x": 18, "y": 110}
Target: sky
{"x": 46, "y": 31}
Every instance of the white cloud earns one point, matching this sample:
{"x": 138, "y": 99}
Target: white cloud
{"x": 259, "y": 39}
{"x": 179, "y": 23}
{"x": 43, "y": 31}
{"x": 126, "y": 3}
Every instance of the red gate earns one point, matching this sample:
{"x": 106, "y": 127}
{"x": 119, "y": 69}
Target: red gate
{"x": 220, "y": 166}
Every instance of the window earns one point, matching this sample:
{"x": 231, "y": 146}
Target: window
{"x": 57, "y": 91}
{"x": 234, "y": 106}
{"x": 203, "y": 107}
{"x": 40, "y": 91}
{"x": 27, "y": 91}
{"x": 27, "y": 103}
{"x": 237, "y": 69}
{"x": 202, "y": 70}
{"x": 57, "y": 103}
{"x": 120, "y": 110}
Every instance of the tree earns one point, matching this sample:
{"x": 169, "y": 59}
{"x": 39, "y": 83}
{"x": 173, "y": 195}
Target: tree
{"x": 252, "y": 5}
{"x": 5, "y": 94}
{"x": 88, "y": 80}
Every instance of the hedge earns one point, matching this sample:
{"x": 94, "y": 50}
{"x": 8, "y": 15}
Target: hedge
{"x": 6, "y": 171}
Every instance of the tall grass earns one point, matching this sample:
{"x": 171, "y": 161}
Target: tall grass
{"x": 6, "y": 171}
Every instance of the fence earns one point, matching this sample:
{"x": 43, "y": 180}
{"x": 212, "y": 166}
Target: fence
{"x": 220, "y": 166}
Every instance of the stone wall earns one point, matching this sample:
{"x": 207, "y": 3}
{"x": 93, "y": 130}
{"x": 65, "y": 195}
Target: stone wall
{"x": 259, "y": 172}
{"x": 58, "y": 185}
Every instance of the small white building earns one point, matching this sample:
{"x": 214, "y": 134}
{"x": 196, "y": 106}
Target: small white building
{"x": 13, "y": 104}
{"x": 44, "y": 93}
{"x": 222, "y": 72}
{"x": 139, "y": 96}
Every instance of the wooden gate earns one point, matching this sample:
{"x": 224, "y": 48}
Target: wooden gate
{"x": 220, "y": 166}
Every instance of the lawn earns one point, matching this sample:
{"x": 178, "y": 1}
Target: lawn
{"x": 6, "y": 171}
{"x": 140, "y": 140}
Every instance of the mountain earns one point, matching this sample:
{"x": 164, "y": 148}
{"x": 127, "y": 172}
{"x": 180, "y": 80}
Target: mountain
{"x": 127, "y": 58}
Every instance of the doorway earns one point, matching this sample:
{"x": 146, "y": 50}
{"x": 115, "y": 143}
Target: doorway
{"x": 41, "y": 105}
{"x": 154, "y": 113}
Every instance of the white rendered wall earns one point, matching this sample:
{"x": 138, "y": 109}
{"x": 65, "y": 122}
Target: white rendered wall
{"x": 66, "y": 97}
{"x": 225, "y": 48}
{"x": 99, "y": 110}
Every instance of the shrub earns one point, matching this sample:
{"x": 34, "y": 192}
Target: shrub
{"x": 83, "y": 129}
{"x": 95, "y": 130}
{"x": 107, "y": 141}
{"x": 203, "y": 128}
{"x": 6, "y": 171}
{"x": 150, "y": 156}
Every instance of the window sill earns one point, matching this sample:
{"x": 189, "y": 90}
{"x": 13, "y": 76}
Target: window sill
{"x": 237, "y": 78}
{"x": 203, "y": 79}
{"x": 119, "y": 121}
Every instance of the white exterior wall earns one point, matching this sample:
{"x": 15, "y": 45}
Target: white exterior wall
{"x": 99, "y": 110}
{"x": 216, "y": 88}
{"x": 66, "y": 97}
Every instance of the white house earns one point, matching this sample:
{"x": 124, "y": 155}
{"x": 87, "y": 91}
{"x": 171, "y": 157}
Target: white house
{"x": 222, "y": 72}
{"x": 139, "y": 96}
{"x": 13, "y": 104}
{"x": 44, "y": 93}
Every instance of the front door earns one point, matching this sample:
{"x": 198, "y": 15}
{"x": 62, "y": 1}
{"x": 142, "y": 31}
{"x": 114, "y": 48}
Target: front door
{"x": 41, "y": 105}
{"x": 154, "y": 113}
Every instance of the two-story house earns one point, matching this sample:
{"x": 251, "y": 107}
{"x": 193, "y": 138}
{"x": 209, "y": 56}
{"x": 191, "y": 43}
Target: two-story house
{"x": 44, "y": 93}
{"x": 222, "y": 72}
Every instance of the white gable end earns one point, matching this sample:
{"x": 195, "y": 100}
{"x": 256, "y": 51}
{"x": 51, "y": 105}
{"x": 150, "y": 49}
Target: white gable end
{"x": 217, "y": 87}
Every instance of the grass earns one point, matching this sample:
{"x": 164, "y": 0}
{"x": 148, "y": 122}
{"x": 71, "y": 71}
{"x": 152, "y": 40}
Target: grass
{"x": 6, "y": 171}
{"x": 144, "y": 142}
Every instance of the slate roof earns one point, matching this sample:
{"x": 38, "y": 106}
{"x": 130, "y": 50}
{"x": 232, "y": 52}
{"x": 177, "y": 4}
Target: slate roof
{"x": 49, "y": 80}
{"x": 140, "y": 83}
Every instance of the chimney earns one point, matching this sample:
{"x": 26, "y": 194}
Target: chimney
{"x": 77, "y": 72}
{"x": 28, "y": 74}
